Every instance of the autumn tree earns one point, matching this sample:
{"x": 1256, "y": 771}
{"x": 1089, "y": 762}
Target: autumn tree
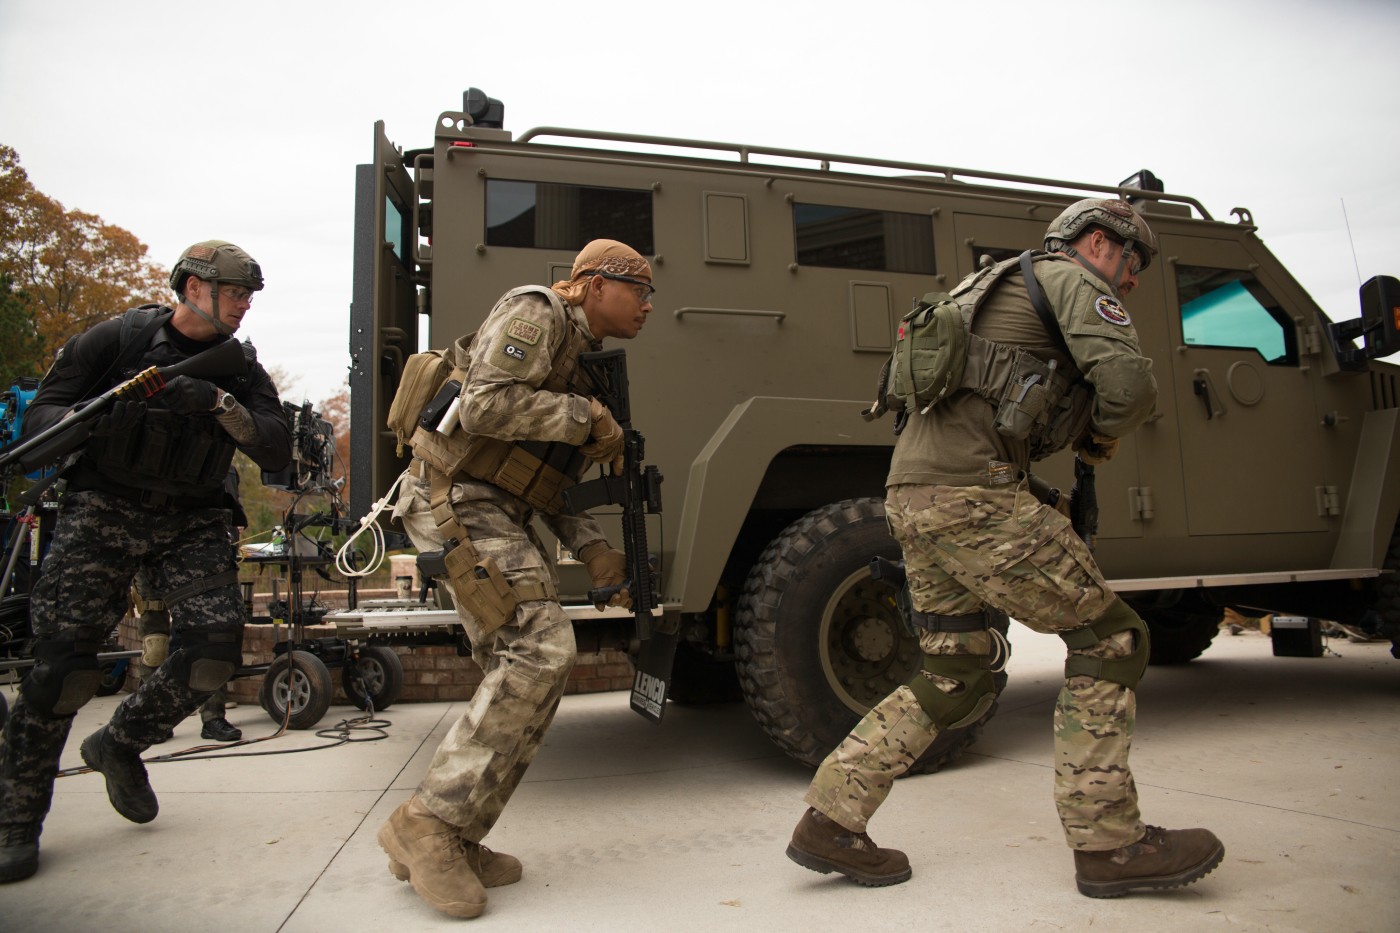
{"x": 21, "y": 347}
{"x": 74, "y": 268}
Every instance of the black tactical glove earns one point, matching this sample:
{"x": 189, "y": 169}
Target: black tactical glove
{"x": 188, "y": 396}
{"x": 118, "y": 419}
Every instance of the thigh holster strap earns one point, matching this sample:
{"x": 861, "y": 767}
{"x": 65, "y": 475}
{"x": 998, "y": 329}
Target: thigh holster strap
{"x": 932, "y": 622}
{"x": 202, "y": 585}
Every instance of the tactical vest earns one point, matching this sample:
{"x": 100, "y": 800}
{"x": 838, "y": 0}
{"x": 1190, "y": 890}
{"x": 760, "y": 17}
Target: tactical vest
{"x": 536, "y": 471}
{"x": 166, "y": 458}
{"x": 1036, "y": 401}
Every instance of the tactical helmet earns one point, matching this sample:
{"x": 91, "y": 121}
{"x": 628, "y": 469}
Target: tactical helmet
{"x": 1112, "y": 214}
{"x": 216, "y": 261}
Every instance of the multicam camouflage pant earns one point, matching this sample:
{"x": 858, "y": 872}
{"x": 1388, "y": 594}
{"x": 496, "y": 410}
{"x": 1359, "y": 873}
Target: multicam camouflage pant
{"x": 99, "y": 543}
{"x": 527, "y": 662}
{"x": 965, "y": 548}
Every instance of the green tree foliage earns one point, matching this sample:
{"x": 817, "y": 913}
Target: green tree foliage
{"x": 21, "y": 347}
{"x": 74, "y": 268}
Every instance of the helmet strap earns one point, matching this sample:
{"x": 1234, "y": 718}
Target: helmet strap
{"x": 219, "y": 325}
{"x": 1073, "y": 253}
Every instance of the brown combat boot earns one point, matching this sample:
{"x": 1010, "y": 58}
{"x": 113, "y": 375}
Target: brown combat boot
{"x": 823, "y": 845}
{"x": 1163, "y": 858}
{"x": 494, "y": 869}
{"x": 434, "y": 857}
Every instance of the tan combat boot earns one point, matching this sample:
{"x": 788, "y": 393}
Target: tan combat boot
{"x": 495, "y": 869}
{"x": 823, "y": 845}
{"x": 435, "y": 859}
{"x": 1163, "y": 858}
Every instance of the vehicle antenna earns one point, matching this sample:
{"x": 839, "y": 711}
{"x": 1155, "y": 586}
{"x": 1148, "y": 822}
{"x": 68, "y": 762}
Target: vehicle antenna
{"x": 1354, "y": 262}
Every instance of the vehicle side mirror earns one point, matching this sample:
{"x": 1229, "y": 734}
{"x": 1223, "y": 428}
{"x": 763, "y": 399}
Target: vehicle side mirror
{"x": 1380, "y": 315}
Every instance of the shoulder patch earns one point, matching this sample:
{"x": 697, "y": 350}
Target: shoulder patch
{"x": 1112, "y": 310}
{"x": 524, "y": 331}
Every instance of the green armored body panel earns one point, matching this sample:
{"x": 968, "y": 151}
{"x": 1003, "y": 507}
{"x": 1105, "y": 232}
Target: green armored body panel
{"x": 1265, "y": 479}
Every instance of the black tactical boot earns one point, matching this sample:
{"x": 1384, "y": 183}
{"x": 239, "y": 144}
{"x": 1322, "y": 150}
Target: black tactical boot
{"x": 19, "y": 850}
{"x": 823, "y": 845}
{"x": 1163, "y": 858}
{"x": 127, "y": 785}
{"x": 221, "y": 730}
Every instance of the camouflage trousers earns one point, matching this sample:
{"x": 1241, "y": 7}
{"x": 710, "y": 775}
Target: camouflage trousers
{"x": 527, "y": 662}
{"x": 153, "y": 632}
{"x": 99, "y": 543}
{"x": 966, "y": 548}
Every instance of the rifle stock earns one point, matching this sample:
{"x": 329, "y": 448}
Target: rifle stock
{"x": 53, "y": 442}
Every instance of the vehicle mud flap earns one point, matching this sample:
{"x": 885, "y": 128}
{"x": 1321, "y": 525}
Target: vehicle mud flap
{"x": 652, "y": 674}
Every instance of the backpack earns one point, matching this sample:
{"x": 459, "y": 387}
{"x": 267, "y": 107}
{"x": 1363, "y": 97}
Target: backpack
{"x": 929, "y": 358}
{"x": 423, "y": 376}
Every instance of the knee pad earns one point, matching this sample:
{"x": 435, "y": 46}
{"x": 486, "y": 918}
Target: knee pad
{"x": 154, "y": 650}
{"x": 1126, "y": 671}
{"x": 975, "y": 672}
{"x": 66, "y": 675}
{"x": 207, "y": 660}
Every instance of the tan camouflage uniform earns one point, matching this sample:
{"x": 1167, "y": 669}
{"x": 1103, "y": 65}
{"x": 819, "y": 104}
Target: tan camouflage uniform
{"x": 973, "y": 535}
{"x": 527, "y": 660}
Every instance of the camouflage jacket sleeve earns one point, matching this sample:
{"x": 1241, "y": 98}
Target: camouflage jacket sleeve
{"x": 511, "y": 357}
{"x": 573, "y": 531}
{"x": 1101, "y": 338}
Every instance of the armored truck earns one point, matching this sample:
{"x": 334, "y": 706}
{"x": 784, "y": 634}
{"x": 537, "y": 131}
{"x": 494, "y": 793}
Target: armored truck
{"x": 1266, "y": 479}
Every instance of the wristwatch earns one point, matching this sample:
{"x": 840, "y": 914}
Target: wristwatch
{"x": 225, "y": 404}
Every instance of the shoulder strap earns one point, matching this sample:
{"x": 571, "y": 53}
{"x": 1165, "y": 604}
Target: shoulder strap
{"x": 1042, "y": 308}
{"x": 139, "y": 325}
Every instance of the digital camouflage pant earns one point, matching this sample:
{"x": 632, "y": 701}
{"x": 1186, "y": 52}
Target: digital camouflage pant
{"x": 527, "y": 662}
{"x": 966, "y": 547}
{"x": 153, "y": 633}
{"x": 99, "y": 543}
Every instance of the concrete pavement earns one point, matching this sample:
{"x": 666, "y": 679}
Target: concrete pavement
{"x": 623, "y": 825}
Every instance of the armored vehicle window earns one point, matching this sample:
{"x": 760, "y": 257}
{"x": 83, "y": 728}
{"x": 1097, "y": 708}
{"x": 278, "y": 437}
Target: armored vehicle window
{"x": 396, "y": 230}
{"x": 856, "y": 238}
{"x": 551, "y": 216}
{"x": 1230, "y": 308}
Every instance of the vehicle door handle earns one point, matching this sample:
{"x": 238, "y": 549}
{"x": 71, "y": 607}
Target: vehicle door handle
{"x": 1204, "y": 389}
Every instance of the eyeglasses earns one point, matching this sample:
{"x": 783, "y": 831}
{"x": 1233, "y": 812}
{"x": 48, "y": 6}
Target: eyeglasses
{"x": 237, "y": 293}
{"x": 644, "y": 289}
{"x": 1131, "y": 254}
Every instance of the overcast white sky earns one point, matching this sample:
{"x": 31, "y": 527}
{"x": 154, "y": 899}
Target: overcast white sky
{"x": 244, "y": 121}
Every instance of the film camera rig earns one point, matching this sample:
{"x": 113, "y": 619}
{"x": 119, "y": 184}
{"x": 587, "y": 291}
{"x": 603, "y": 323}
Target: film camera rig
{"x": 313, "y": 453}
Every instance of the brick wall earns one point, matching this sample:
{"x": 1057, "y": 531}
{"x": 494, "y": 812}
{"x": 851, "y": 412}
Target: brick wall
{"x": 431, "y": 672}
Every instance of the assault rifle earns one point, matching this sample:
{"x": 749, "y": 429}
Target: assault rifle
{"x": 1084, "y": 503}
{"x": 638, "y": 491}
{"x": 53, "y": 442}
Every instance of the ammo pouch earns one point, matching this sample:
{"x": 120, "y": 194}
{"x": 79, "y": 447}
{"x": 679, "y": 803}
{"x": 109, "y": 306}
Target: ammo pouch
{"x": 178, "y": 456}
{"x": 1030, "y": 397}
{"x": 536, "y": 472}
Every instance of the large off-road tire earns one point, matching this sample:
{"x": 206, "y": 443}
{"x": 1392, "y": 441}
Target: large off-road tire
{"x": 378, "y": 677}
{"x": 1181, "y": 632}
{"x": 819, "y": 641}
{"x": 298, "y": 681}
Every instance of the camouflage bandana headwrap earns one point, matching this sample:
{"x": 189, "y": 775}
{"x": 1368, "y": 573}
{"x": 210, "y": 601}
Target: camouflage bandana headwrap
{"x": 601, "y": 256}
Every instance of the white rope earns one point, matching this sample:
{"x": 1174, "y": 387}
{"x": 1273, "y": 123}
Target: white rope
{"x": 369, "y": 523}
